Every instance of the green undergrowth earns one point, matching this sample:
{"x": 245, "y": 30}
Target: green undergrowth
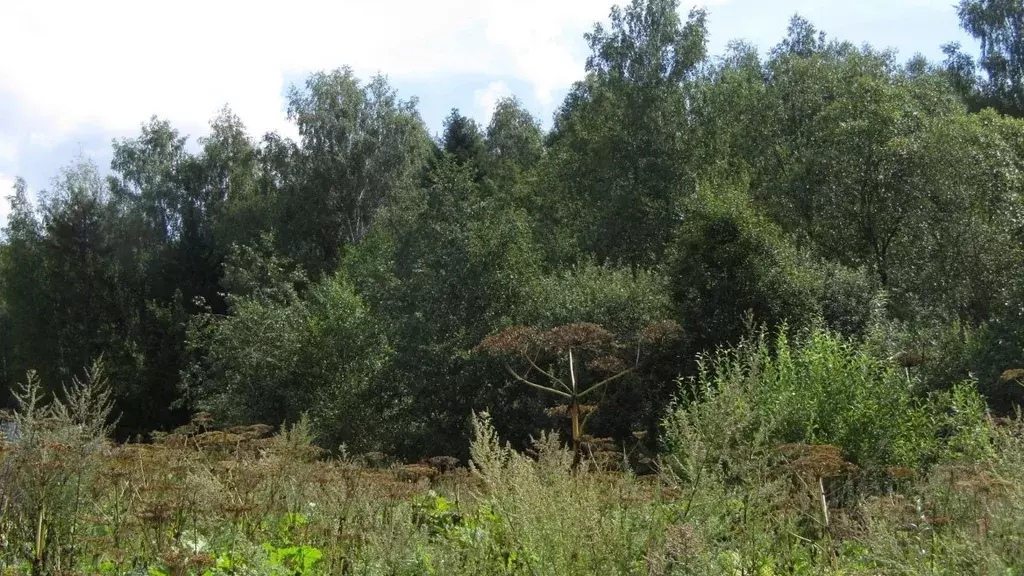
{"x": 805, "y": 456}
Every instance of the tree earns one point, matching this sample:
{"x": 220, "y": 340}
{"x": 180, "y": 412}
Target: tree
{"x": 25, "y": 304}
{"x": 148, "y": 180}
{"x": 463, "y": 141}
{"x": 362, "y": 148}
{"x": 76, "y": 249}
{"x": 229, "y": 171}
{"x": 514, "y": 140}
{"x": 998, "y": 25}
{"x": 958, "y": 261}
{"x": 729, "y": 261}
{"x": 838, "y": 158}
{"x": 164, "y": 216}
{"x": 462, "y": 267}
{"x": 70, "y": 301}
{"x": 962, "y": 72}
{"x": 625, "y": 302}
{"x": 280, "y": 354}
{"x": 621, "y": 153}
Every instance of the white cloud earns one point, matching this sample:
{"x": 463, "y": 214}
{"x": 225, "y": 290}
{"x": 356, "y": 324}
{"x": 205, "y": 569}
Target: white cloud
{"x": 487, "y": 98}
{"x": 8, "y": 150}
{"x": 113, "y": 63}
{"x": 107, "y": 65}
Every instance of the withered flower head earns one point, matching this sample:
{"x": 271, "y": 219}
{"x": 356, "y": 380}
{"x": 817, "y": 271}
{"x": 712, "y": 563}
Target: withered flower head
{"x": 560, "y": 410}
{"x": 251, "y": 431}
{"x": 984, "y": 483}
{"x": 442, "y": 463}
{"x": 1012, "y": 374}
{"x": 202, "y": 419}
{"x": 608, "y": 364}
{"x": 564, "y": 410}
{"x": 819, "y": 460}
{"x": 218, "y": 438}
{"x": 581, "y": 336}
{"x": 901, "y": 472}
{"x": 661, "y": 332}
{"x": 598, "y": 444}
{"x": 414, "y": 472}
{"x": 512, "y": 340}
{"x": 909, "y": 358}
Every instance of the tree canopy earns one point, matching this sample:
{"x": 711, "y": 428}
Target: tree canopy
{"x": 350, "y": 275}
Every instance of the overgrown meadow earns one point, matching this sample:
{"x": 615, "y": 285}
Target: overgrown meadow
{"x": 804, "y": 457}
{"x": 757, "y": 313}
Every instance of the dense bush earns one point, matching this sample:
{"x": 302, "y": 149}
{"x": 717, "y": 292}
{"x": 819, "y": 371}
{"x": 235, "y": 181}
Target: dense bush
{"x": 622, "y": 300}
{"x": 729, "y": 260}
{"x": 776, "y": 436}
{"x": 278, "y": 356}
{"x": 825, "y": 389}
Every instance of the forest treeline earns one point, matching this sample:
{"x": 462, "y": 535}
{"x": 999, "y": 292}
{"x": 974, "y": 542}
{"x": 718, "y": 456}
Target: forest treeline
{"x": 352, "y": 275}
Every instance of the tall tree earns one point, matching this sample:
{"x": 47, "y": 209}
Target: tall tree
{"x": 21, "y": 281}
{"x": 621, "y": 158}
{"x": 463, "y": 266}
{"x": 463, "y": 140}
{"x": 999, "y": 26}
{"x": 514, "y": 139}
{"x": 148, "y": 179}
{"x": 361, "y": 148}
{"x": 164, "y": 218}
{"x": 68, "y": 298}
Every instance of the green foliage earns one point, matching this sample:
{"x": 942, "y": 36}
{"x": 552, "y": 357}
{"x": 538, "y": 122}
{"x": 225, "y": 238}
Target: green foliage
{"x": 619, "y": 159}
{"x": 730, "y": 259}
{"x": 623, "y": 301}
{"x": 56, "y": 456}
{"x": 348, "y": 274}
{"x": 996, "y": 25}
{"x": 555, "y": 520}
{"x": 362, "y": 149}
{"x": 460, "y": 268}
{"x": 728, "y": 500}
{"x": 514, "y": 141}
{"x": 464, "y": 142}
{"x": 279, "y": 355}
{"x": 824, "y": 389}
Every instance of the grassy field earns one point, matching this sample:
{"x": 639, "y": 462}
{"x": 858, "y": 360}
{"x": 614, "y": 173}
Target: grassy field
{"x": 240, "y": 502}
{"x": 727, "y": 496}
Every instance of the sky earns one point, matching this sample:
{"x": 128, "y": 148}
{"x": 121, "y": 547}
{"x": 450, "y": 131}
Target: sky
{"x": 76, "y": 75}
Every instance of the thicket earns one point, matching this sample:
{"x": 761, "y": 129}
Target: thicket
{"x": 351, "y": 276}
{"x": 759, "y": 475}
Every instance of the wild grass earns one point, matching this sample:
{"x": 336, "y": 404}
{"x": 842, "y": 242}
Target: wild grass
{"x": 746, "y": 487}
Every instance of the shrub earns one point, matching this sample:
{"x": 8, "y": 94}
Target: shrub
{"x": 825, "y": 389}
{"x": 48, "y": 469}
{"x": 273, "y": 361}
{"x": 622, "y": 300}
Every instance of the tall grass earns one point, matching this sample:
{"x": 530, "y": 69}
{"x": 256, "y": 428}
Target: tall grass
{"x": 805, "y": 457}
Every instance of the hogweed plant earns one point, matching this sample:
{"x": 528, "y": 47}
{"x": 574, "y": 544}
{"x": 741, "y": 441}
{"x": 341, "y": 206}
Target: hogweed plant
{"x": 575, "y": 362}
